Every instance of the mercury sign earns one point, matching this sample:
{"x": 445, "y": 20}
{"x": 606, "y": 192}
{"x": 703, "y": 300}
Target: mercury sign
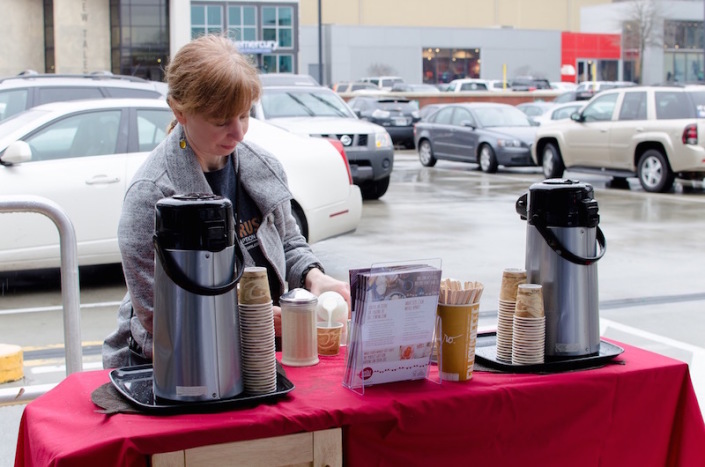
{"x": 256, "y": 47}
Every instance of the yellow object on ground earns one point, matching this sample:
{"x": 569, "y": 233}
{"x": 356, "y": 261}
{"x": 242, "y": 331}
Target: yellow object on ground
{"x": 10, "y": 363}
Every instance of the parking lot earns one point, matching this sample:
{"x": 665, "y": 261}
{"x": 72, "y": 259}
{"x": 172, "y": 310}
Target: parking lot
{"x": 650, "y": 279}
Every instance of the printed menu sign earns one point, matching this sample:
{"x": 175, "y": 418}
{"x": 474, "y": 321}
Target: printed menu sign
{"x": 393, "y": 321}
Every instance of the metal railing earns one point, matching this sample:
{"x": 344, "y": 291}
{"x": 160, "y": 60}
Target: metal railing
{"x": 69, "y": 270}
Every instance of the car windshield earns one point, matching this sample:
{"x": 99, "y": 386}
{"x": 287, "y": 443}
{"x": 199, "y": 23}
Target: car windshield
{"x": 280, "y": 103}
{"x": 11, "y": 124}
{"x": 501, "y": 116}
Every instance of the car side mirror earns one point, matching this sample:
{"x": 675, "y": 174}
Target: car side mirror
{"x": 358, "y": 112}
{"x": 577, "y": 117}
{"x": 468, "y": 123}
{"x": 17, "y": 153}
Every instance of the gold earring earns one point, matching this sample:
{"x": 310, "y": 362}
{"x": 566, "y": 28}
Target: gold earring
{"x": 182, "y": 143}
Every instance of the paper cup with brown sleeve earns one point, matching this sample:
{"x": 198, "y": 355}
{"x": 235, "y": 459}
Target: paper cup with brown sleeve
{"x": 458, "y": 336}
{"x": 254, "y": 286}
{"x": 328, "y": 338}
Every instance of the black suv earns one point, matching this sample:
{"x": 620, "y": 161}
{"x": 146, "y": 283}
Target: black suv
{"x": 397, "y": 115}
{"x": 30, "y": 89}
{"x": 529, "y": 83}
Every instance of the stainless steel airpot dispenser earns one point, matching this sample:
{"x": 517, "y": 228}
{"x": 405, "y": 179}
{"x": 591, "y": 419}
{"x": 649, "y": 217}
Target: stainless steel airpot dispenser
{"x": 198, "y": 262}
{"x": 563, "y": 245}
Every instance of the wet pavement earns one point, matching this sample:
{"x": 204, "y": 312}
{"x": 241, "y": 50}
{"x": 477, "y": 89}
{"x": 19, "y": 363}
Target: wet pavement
{"x": 651, "y": 284}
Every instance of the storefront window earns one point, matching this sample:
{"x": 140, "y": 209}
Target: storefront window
{"x": 683, "y": 67}
{"x": 262, "y": 31}
{"x": 282, "y": 63}
{"x": 140, "y": 37}
{"x": 444, "y": 65}
{"x": 683, "y": 35}
{"x": 683, "y": 55}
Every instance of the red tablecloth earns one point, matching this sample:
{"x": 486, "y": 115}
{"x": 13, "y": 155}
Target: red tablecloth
{"x": 641, "y": 413}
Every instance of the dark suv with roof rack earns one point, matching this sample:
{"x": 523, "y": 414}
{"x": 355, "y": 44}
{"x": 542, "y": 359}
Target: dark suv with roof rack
{"x": 30, "y": 89}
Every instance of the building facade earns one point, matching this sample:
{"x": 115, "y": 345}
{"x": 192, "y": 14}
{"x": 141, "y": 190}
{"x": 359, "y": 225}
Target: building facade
{"x": 348, "y": 40}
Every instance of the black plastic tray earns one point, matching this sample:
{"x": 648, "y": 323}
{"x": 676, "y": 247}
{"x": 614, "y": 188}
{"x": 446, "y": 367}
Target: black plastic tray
{"x": 486, "y": 354}
{"x": 136, "y": 385}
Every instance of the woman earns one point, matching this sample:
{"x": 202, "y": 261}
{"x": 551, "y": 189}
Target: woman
{"x": 211, "y": 89}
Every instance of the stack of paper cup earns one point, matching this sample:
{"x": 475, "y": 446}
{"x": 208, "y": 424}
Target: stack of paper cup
{"x": 259, "y": 363}
{"x": 529, "y": 330}
{"x": 511, "y": 278}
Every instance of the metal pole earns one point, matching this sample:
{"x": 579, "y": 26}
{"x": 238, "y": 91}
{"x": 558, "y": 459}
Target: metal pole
{"x": 69, "y": 270}
{"x": 320, "y": 45}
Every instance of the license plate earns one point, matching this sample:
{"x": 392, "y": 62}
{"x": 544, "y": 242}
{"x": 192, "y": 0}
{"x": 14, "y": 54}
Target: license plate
{"x": 399, "y": 121}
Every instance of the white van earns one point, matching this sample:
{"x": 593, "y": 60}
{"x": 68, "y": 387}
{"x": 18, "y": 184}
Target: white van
{"x": 383, "y": 82}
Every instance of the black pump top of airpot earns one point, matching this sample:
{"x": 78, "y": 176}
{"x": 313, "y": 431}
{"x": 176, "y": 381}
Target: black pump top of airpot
{"x": 195, "y": 221}
{"x": 559, "y": 202}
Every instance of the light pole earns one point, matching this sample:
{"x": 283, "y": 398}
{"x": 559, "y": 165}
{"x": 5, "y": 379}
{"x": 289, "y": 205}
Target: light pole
{"x": 320, "y": 46}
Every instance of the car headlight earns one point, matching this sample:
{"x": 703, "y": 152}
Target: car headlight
{"x": 381, "y": 114}
{"x": 383, "y": 140}
{"x": 509, "y": 143}
{"x": 415, "y": 114}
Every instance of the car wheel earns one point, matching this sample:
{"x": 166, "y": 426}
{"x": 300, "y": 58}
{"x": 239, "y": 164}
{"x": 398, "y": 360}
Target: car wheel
{"x": 374, "y": 189}
{"x": 654, "y": 173}
{"x": 488, "y": 161}
{"x": 300, "y": 219}
{"x": 426, "y": 153}
{"x": 551, "y": 163}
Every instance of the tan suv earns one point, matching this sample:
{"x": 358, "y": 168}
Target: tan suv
{"x": 655, "y": 133}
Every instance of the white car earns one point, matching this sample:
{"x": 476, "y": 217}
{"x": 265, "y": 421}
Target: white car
{"x": 468, "y": 85}
{"x": 82, "y": 155}
{"x": 559, "y": 112}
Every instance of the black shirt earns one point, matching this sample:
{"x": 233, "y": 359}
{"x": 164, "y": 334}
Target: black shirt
{"x": 224, "y": 182}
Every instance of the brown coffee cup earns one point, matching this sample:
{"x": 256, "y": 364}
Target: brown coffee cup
{"x": 254, "y": 287}
{"x": 511, "y": 278}
{"x": 329, "y": 336}
{"x": 529, "y": 302}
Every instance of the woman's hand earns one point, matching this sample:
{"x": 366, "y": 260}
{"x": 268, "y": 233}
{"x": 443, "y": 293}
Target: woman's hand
{"x": 318, "y": 282}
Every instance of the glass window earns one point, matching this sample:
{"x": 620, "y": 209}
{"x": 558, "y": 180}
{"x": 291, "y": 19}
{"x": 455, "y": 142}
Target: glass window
{"x": 444, "y": 65}
{"x": 285, "y": 38}
{"x": 277, "y": 25}
{"x": 87, "y": 134}
{"x": 12, "y": 102}
{"x": 460, "y": 116}
{"x": 198, "y": 14}
{"x": 600, "y": 108}
{"x": 673, "y": 105}
{"x": 286, "y": 63}
{"x": 633, "y": 106}
{"x": 151, "y": 127}
{"x": 137, "y": 93}
{"x": 241, "y": 23}
{"x": 140, "y": 37}
{"x": 206, "y": 19}
{"x": 304, "y": 103}
{"x": 683, "y": 35}
{"x": 444, "y": 116}
{"x": 58, "y": 94}
{"x": 269, "y": 63}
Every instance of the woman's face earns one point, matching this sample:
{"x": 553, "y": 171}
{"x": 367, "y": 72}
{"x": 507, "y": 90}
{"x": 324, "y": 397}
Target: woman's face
{"x": 210, "y": 138}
